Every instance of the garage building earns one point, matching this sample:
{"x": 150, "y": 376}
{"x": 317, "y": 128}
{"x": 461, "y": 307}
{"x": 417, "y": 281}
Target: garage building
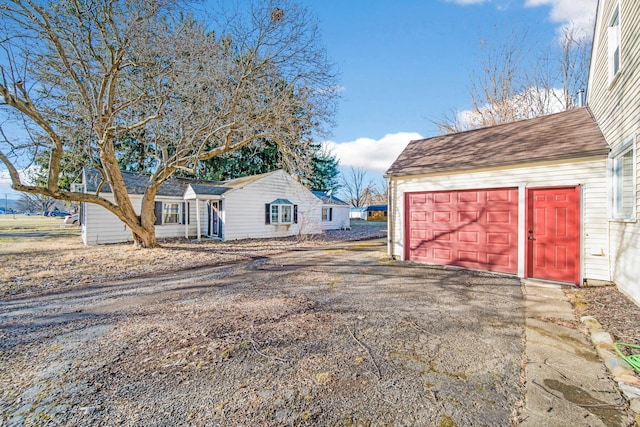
{"x": 527, "y": 198}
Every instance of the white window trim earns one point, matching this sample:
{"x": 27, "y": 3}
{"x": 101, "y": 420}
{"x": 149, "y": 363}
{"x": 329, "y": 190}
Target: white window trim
{"x": 279, "y": 213}
{"x": 614, "y": 157}
{"x": 613, "y": 40}
{"x": 165, "y": 212}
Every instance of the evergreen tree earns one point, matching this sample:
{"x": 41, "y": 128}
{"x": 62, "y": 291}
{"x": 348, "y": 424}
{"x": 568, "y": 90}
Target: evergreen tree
{"x": 264, "y": 156}
{"x": 325, "y": 173}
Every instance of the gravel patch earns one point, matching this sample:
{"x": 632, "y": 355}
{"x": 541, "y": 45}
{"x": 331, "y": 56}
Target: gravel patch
{"x": 339, "y": 336}
{"x": 320, "y": 331}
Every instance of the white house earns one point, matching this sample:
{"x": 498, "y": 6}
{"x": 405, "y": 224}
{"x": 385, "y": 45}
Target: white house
{"x": 526, "y": 198}
{"x": 268, "y": 205}
{"x": 613, "y": 94}
{"x": 335, "y": 212}
{"x": 358, "y": 213}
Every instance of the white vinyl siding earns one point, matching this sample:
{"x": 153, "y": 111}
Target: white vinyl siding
{"x": 103, "y": 227}
{"x": 335, "y": 217}
{"x": 243, "y": 213}
{"x": 590, "y": 174}
{"x": 616, "y": 108}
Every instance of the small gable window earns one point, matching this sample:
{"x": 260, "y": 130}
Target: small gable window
{"x": 281, "y": 211}
{"x": 622, "y": 174}
{"x": 613, "y": 44}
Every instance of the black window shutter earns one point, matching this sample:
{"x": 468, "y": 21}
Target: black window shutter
{"x": 157, "y": 210}
{"x": 295, "y": 214}
{"x": 330, "y": 214}
{"x": 184, "y": 213}
{"x": 267, "y": 213}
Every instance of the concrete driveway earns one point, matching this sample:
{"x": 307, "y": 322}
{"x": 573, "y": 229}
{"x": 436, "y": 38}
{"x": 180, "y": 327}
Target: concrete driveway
{"x": 316, "y": 337}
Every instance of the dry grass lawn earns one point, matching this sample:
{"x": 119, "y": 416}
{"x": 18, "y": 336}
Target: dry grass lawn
{"x": 23, "y": 223}
{"x": 59, "y": 261}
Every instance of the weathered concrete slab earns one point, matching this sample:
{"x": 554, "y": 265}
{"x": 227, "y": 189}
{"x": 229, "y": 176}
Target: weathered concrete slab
{"x": 566, "y": 382}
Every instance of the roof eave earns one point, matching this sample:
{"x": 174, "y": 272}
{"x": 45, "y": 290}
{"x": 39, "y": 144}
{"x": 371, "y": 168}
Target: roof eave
{"x": 426, "y": 171}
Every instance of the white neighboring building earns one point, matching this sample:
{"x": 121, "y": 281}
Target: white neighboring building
{"x": 358, "y": 213}
{"x": 261, "y": 206}
{"x": 335, "y": 212}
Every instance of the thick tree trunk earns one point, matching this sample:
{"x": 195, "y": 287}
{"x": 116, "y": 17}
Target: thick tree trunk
{"x": 145, "y": 239}
{"x": 142, "y": 226}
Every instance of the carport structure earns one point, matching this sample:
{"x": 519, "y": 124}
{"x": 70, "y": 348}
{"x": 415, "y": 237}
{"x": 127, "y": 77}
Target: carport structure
{"x": 526, "y": 198}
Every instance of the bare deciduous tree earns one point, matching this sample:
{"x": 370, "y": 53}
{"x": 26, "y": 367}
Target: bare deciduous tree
{"x": 82, "y": 77}
{"x": 30, "y": 202}
{"x": 508, "y": 88}
{"x": 356, "y": 187}
{"x": 380, "y": 194}
{"x": 563, "y": 72}
{"x": 494, "y": 88}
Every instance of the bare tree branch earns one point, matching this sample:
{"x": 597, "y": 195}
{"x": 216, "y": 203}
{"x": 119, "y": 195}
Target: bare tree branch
{"x": 86, "y": 77}
{"x": 357, "y": 187}
{"x": 507, "y": 88}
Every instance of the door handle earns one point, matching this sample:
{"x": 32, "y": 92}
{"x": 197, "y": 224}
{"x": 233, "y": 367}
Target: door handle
{"x": 532, "y": 238}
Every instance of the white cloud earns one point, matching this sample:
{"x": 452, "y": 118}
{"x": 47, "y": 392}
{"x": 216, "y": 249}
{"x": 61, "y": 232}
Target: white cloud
{"x": 578, "y": 15}
{"x": 4, "y": 177}
{"x": 374, "y": 155}
{"x": 5, "y": 186}
{"x": 5, "y": 182}
{"x": 528, "y": 104}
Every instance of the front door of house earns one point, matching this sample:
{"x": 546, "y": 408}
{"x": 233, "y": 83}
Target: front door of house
{"x": 214, "y": 219}
{"x": 553, "y": 234}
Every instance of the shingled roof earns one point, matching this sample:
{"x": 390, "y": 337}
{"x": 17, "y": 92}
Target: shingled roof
{"x": 572, "y": 134}
{"x": 329, "y": 199}
{"x": 136, "y": 183}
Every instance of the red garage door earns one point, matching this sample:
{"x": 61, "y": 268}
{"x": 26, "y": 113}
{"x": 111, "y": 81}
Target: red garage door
{"x": 470, "y": 228}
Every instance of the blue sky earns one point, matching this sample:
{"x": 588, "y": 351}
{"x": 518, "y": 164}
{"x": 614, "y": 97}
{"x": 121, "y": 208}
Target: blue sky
{"x": 405, "y": 63}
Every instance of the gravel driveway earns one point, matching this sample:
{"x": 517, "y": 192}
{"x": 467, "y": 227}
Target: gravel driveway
{"x": 339, "y": 336}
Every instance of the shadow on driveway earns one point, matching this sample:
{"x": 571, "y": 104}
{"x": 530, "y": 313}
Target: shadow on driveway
{"x": 339, "y": 336}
